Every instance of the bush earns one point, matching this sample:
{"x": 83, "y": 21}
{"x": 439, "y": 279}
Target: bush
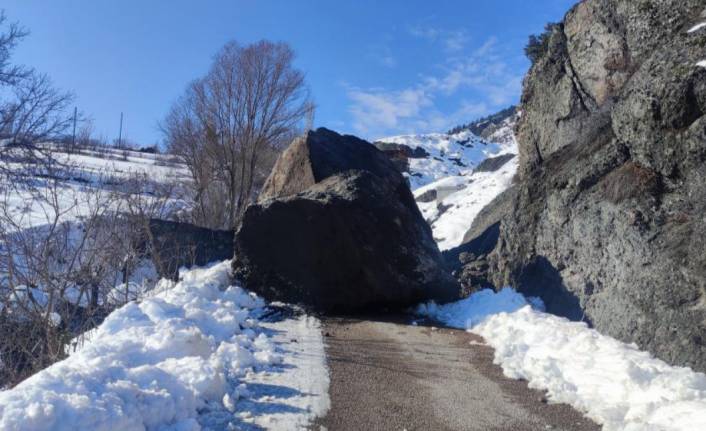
{"x": 537, "y": 46}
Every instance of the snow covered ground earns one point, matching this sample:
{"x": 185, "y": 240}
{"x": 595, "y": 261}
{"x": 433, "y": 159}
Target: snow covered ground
{"x": 449, "y": 155}
{"x": 194, "y": 355}
{"x": 613, "y": 383}
{"x": 84, "y": 178}
{"x": 461, "y": 193}
{"x": 460, "y": 199}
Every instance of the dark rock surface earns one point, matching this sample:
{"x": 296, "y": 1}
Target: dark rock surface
{"x": 492, "y": 164}
{"x": 337, "y": 229}
{"x": 607, "y": 221}
{"x": 178, "y": 244}
{"x": 491, "y": 214}
{"x": 469, "y": 261}
{"x": 400, "y": 153}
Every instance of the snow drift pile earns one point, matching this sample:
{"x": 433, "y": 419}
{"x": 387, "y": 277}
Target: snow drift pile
{"x": 613, "y": 383}
{"x": 179, "y": 360}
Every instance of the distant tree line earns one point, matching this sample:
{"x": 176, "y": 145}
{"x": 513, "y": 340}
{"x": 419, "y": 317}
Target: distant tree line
{"x": 476, "y": 127}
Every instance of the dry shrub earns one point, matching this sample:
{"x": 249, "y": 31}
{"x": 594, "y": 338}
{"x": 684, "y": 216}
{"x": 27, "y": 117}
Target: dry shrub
{"x": 630, "y": 181}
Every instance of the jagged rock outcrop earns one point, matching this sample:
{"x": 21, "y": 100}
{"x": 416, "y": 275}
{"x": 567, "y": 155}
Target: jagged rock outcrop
{"x": 401, "y": 153}
{"x": 492, "y": 164}
{"x": 336, "y": 229}
{"x": 607, "y": 220}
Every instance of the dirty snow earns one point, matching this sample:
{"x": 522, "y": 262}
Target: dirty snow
{"x": 613, "y": 383}
{"x": 191, "y": 356}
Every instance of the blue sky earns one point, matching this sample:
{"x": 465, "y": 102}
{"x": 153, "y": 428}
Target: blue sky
{"x": 374, "y": 68}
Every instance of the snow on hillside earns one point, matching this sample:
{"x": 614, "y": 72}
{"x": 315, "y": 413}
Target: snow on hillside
{"x": 448, "y": 189}
{"x": 459, "y": 199}
{"x": 448, "y": 155}
{"x": 613, "y": 383}
{"x": 78, "y": 179}
{"x": 194, "y": 355}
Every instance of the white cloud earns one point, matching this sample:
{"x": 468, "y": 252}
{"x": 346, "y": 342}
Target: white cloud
{"x": 425, "y": 32}
{"x": 487, "y": 47}
{"x": 377, "y": 109}
{"x": 456, "y": 40}
{"x": 377, "y": 112}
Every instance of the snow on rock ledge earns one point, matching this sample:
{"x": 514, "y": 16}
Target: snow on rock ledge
{"x": 613, "y": 383}
{"x": 179, "y": 360}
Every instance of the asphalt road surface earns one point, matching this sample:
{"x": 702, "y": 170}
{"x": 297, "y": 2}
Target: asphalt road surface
{"x": 390, "y": 375}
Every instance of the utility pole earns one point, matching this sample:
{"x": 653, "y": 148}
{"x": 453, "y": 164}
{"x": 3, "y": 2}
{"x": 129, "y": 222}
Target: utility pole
{"x": 120, "y": 134}
{"x": 73, "y": 138}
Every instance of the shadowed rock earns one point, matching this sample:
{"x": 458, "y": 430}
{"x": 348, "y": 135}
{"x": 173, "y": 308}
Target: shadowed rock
{"x": 337, "y": 229}
{"x": 607, "y": 221}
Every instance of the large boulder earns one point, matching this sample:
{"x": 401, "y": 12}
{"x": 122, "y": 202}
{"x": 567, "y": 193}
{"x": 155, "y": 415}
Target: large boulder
{"x": 336, "y": 229}
{"x": 607, "y": 220}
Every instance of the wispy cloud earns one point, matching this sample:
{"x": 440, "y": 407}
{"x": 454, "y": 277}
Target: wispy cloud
{"x": 425, "y": 32}
{"x": 456, "y": 40}
{"x": 484, "y": 71}
{"x": 451, "y": 40}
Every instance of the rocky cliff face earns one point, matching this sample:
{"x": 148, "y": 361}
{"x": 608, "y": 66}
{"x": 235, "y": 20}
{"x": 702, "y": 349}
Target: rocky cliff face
{"x": 607, "y": 222}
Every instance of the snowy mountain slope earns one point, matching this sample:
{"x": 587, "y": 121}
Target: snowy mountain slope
{"x": 447, "y": 155}
{"x": 193, "y": 355}
{"x": 81, "y": 178}
{"x": 459, "y": 199}
{"x": 449, "y": 190}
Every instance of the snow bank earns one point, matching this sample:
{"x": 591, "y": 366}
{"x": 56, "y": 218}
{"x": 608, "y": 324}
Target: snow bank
{"x": 172, "y": 362}
{"x": 613, "y": 383}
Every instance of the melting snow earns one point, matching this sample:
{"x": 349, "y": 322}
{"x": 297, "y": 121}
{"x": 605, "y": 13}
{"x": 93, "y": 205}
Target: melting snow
{"x": 192, "y": 356}
{"x": 613, "y": 383}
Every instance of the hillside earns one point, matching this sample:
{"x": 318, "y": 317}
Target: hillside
{"x": 453, "y": 176}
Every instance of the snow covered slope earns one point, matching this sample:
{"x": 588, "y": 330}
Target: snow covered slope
{"x": 448, "y": 185}
{"x": 194, "y": 355}
{"x": 447, "y": 155}
{"x": 79, "y": 178}
{"x": 459, "y": 199}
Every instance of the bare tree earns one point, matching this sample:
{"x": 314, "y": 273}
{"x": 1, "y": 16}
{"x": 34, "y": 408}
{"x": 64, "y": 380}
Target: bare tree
{"x": 31, "y": 109}
{"x": 69, "y": 256}
{"x": 228, "y": 125}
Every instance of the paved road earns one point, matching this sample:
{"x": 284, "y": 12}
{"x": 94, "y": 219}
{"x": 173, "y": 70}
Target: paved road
{"x": 395, "y": 376}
